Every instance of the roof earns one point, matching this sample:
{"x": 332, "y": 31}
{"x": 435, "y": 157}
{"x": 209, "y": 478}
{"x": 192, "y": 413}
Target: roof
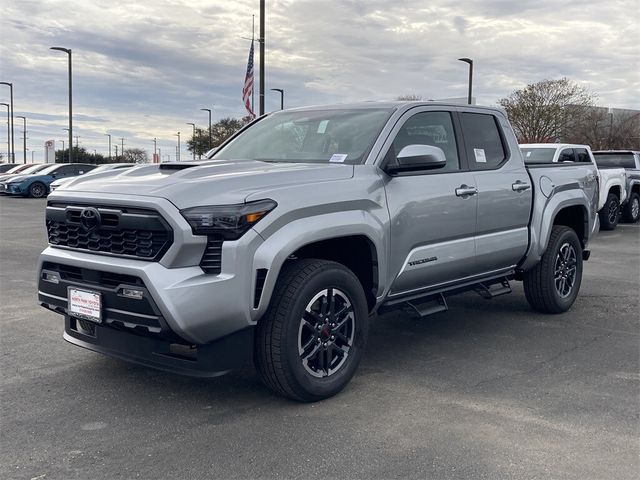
{"x": 553, "y": 145}
{"x": 391, "y": 105}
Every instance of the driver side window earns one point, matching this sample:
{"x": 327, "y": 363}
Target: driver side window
{"x": 427, "y": 128}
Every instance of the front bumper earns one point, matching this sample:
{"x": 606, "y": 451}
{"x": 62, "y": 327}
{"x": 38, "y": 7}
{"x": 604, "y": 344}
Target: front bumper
{"x": 12, "y": 188}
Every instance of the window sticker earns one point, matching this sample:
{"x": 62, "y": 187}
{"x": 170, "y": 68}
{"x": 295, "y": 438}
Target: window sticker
{"x": 322, "y": 126}
{"x": 480, "y": 156}
{"x": 338, "y": 157}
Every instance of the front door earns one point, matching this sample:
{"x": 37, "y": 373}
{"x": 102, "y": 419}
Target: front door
{"x": 433, "y": 213}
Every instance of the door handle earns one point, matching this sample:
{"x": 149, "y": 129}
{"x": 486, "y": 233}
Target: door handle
{"x": 520, "y": 186}
{"x": 466, "y": 191}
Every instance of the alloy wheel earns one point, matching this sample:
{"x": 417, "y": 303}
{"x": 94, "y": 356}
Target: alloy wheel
{"x": 565, "y": 270}
{"x": 326, "y": 332}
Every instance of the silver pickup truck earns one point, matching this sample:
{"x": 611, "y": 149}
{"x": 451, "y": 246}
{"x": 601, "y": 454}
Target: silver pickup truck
{"x": 302, "y": 226}
{"x": 629, "y": 160}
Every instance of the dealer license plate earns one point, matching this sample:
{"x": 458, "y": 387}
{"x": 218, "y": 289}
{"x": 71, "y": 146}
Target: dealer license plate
{"x": 85, "y": 304}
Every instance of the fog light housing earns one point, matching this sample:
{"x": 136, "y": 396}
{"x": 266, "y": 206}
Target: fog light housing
{"x": 132, "y": 293}
{"x": 51, "y": 277}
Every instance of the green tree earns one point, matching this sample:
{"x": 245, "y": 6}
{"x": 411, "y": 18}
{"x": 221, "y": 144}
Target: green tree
{"x": 80, "y": 155}
{"x": 543, "y": 111}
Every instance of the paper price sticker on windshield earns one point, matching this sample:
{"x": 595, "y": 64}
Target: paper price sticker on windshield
{"x": 480, "y": 156}
{"x": 338, "y": 157}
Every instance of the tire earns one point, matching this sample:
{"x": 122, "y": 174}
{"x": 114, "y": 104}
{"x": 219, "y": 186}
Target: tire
{"x": 37, "y": 190}
{"x": 286, "y": 336}
{"x": 631, "y": 211}
{"x": 543, "y": 285}
{"x": 610, "y": 213}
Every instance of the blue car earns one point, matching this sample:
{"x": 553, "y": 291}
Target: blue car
{"x": 37, "y": 184}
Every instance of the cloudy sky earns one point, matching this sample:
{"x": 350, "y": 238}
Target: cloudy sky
{"x": 144, "y": 69}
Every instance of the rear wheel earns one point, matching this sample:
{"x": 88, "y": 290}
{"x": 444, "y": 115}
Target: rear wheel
{"x": 631, "y": 212}
{"x": 553, "y": 285}
{"x": 37, "y": 190}
{"x": 610, "y": 213}
{"x": 311, "y": 339}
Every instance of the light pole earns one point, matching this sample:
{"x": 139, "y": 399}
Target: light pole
{"x": 12, "y": 154}
{"x": 281, "y": 90}
{"x": 76, "y": 137}
{"x": 155, "y": 148}
{"x": 24, "y": 137}
{"x": 70, "y": 146}
{"x": 68, "y": 52}
{"x": 193, "y": 140}
{"x": 178, "y": 148}
{"x": 261, "y": 41}
{"x": 8, "y": 129}
{"x": 109, "y": 135}
{"x": 470, "y": 62}
{"x": 61, "y": 153}
{"x": 122, "y": 147}
{"x": 210, "y": 140}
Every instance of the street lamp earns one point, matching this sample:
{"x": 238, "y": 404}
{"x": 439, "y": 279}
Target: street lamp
{"x": 210, "y": 139}
{"x": 178, "y": 149}
{"x": 68, "y": 52}
{"x": 193, "y": 140}
{"x": 281, "y": 90}
{"x": 12, "y": 153}
{"x": 70, "y": 145}
{"x": 109, "y": 135}
{"x": 470, "y": 62}
{"x": 24, "y": 137}
{"x": 122, "y": 147}
{"x": 8, "y": 129}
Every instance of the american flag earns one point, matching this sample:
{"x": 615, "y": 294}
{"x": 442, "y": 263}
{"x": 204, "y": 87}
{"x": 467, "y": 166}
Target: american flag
{"x": 247, "y": 90}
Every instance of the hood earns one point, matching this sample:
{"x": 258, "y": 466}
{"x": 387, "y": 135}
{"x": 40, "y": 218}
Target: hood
{"x": 209, "y": 183}
{"x": 20, "y": 178}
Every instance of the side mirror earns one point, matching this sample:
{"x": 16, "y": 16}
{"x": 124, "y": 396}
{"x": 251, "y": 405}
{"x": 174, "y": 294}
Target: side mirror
{"x": 413, "y": 158}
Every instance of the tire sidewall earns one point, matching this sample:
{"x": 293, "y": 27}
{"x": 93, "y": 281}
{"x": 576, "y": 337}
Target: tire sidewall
{"x": 342, "y": 279}
{"x": 634, "y": 198}
{"x": 568, "y": 236}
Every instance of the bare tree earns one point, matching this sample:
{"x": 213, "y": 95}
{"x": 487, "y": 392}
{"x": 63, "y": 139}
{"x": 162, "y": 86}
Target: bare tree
{"x": 135, "y": 155}
{"x": 541, "y": 111}
{"x": 603, "y": 129}
{"x": 410, "y": 97}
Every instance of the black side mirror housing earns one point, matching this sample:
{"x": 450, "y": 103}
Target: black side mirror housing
{"x": 414, "y": 158}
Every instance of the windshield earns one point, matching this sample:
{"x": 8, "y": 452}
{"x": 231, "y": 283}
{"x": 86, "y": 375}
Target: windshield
{"x": 538, "y": 155}
{"x": 16, "y": 169}
{"x": 615, "y": 160}
{"x": 322, "y": 136}
{"x": 33, "y": 169}
{"x": 49, "y": 169}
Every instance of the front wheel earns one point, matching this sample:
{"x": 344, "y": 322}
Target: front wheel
{"x": 631, "y": 212}
{"x": 311, "y": 339}
{"x": 37, "y": 190}
{"x": 610, "y": 213}
{"x": 553, "y": 284}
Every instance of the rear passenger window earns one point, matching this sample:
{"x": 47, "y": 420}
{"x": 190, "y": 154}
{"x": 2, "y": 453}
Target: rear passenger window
{"x": 582, "y": 155}
{"x": 483, "y": 141}
{"x": 566, "y": 155}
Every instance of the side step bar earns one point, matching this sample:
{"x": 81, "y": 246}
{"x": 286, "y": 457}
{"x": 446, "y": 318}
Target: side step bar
{"x": 489, "y": 291}
{"x": 426, "y": 307}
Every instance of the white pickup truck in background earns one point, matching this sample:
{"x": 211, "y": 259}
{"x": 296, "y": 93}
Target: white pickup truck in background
{"x": 611, "y": 181}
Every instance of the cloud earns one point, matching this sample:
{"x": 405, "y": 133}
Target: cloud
{"x": 144, "y": 69}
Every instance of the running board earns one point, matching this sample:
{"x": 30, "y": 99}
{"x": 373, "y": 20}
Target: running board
{"x": 434, "y": 304}
{"x": 492, "y": 290}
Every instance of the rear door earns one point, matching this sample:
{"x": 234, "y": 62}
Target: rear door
{"x": 504, "y": 192}
{"x": 433, "y": 220}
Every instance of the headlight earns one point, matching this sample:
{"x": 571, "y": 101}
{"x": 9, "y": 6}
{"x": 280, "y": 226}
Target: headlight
{"x": 230, "y": 221}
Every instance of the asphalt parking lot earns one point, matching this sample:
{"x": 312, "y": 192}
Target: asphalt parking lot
{"x": 488, "y": 390}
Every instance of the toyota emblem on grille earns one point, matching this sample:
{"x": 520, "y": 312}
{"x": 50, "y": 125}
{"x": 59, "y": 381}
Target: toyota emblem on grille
{"x": 90, "y": 219}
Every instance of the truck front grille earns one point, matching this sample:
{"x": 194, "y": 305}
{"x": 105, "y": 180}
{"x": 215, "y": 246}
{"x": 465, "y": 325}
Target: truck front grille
{"x": 120, "y": 231}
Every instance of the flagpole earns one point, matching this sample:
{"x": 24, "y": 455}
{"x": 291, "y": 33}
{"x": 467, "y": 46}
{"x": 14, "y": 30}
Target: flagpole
{"x": 253, "y": 37}
{"x": 261, "y": 40}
